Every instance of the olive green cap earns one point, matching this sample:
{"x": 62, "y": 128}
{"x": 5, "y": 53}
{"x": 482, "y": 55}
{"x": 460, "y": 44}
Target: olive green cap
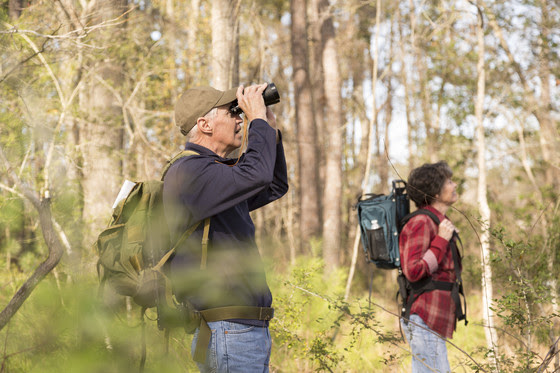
{"x": 197, "y": 102}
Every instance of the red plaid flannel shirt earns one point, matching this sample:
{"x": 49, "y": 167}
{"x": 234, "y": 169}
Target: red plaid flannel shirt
{"x": 424, "y": 253}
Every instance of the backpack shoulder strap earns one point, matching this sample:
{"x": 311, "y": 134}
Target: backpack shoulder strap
{"x": 432, "y": 216}
{"x": 191, "y": 229}
{"x": 186, "y": 235}
{"x": 175, "y": 158}
{"x": 428, "y": 284}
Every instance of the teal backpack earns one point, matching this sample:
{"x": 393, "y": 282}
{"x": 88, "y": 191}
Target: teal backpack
{"x": 380, "y": 219}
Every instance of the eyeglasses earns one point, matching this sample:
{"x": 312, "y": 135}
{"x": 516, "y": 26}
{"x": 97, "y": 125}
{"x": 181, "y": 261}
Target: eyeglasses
{"x": 234, "y": 109}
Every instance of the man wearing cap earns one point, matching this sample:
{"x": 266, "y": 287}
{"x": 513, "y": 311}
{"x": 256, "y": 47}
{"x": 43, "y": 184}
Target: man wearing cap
{"x": 227, "y": 285}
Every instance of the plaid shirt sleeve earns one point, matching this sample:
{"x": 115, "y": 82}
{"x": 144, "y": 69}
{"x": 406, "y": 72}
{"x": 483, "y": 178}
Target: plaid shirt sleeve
{"x": 424, "y": 253}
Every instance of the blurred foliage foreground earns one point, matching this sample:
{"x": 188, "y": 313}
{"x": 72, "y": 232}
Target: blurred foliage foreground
{"x": 64, "y": 327}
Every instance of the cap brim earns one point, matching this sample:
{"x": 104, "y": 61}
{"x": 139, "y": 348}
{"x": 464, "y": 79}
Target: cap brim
{"x": 228, "y": 97}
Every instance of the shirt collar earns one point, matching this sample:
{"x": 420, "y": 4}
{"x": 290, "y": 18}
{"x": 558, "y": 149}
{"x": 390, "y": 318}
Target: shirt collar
{"x": 207, "y": 152}
{"x": 440, "y": 216}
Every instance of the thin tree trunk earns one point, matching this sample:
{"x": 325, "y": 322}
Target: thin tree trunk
{"x": 383, "y": 157}
{"x": 373, "y": 135}
{"x": 550, "y": 140}
{"x": 193, "y": 14}
{"x": 306, "y": 132}
{"x": 484, "y": 210}
{"x": 317, "y": 77}
{"x": 357, "y": 148}
{"x": 170, "y": 35}
{"x": 549, "y": 130}
{"x": 102, "y": 134}
{"x": 332, "y": 197}
{"x": 367, "y": 171}
{"x": 412, "y": 125}
{"x": 225, "y": 25}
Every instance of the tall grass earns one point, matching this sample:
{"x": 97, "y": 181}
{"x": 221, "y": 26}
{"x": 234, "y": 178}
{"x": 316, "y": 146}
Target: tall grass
{"x": 316, "y": 331}
{"x": 67, "y": 328}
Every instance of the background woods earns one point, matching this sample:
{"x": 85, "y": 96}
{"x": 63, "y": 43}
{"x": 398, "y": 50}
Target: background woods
{"x": 369, "y": 90}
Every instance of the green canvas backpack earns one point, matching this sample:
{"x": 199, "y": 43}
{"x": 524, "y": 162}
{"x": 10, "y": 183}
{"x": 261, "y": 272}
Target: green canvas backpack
{"x": 135, "y": 246}
{"x": 133, "y": 251}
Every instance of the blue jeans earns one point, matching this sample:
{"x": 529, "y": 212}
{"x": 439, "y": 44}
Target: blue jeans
{"x": 236, "y": 347}
{"x": 429, "y": 351}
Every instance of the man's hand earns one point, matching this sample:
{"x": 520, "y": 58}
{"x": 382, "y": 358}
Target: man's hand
{"x": 446, "y": 229}
{"x": 250, "y": 100}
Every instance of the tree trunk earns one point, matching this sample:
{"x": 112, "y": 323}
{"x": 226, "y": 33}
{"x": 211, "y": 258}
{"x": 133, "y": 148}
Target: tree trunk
{"x": 383, "y": 150}
{"x": 306, "y": 132}
{"x": 170, "y": 30}
{"x": 14, "y": 8}
{"x": 373, "y": 125}
{"x": 369, "y": 152}
{"x": 549, "y": 131}
{"x": 484, "y": 210}
{"x": 193, "y": 14}
{"x": 102, "y": 135}
{"x": 551, "y": 153}
{"x": 332, "y": 192}
{"x": 225, "y": 39}
{"x": 412, "y": 124}
{"x": 317, "y": 76}
{"x": 420, "y": 61}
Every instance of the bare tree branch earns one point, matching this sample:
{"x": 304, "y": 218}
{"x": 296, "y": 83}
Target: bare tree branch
{"x": 71, "y": 35}
{"x": 42, "y": 205}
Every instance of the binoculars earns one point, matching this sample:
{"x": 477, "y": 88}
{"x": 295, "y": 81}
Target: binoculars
{"x": 270, "y": 96}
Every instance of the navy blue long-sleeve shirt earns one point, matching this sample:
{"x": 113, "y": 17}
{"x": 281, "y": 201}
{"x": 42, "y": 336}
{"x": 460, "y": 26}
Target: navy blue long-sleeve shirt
{"x": 207, "y": 185}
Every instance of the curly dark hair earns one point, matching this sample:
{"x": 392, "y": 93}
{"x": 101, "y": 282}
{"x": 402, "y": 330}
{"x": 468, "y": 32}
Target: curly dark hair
{"x": 426, "y": 181}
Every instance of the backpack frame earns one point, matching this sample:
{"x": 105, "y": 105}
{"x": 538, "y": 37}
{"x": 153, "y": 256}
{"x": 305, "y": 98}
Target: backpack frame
{"x": 379, "y": 217}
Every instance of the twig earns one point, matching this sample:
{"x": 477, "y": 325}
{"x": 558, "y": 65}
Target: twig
{"x": 552, "y": 352}
{"x": 74, "y": 34}
{"x": 346, "y": 311}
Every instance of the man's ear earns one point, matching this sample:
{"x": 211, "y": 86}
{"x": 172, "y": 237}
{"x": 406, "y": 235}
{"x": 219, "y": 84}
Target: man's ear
{"x": 204, "y": 125}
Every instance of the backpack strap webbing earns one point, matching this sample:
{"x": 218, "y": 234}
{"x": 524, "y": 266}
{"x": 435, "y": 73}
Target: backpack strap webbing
{"x": 428, "y": 283}
{"x": 205, "y": 234}
{"x": 458, "y": 284}
{"x": 225, "y": 313}
{"x": 188, "y": 232}
{"x": 158, "y": 267}
{"x": 212, "y": 314}
{"x": 182, "y": 154}
{"x": 185, "y": 235}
